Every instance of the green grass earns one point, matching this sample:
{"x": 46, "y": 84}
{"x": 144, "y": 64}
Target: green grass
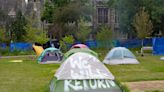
{"x": 29, "y": 76}
{"x": 150, "y": 68}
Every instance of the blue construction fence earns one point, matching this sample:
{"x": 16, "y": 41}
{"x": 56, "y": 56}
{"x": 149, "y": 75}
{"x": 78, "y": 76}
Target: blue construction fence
{"x": 132, "y": 43}
{"x": 22, "y": 46}
{"x": 156, "y": 43}
{"x": 158, "y": 46}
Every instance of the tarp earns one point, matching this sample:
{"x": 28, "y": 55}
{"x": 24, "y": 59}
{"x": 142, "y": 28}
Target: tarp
{"x": 86, "y": 50}
{"x": 158, "y": 46}
{"x": 120, "y": 55}
{"x": 83, "y": 66}
{"x": 20, "y": 46}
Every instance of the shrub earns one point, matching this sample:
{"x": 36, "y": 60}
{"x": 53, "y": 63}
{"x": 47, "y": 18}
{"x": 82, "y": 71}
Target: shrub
{"x": 66, "y": 42}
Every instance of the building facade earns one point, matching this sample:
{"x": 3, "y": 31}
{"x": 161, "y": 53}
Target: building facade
{"x": 29, "y": 8}
{"x": 103, "y": 15}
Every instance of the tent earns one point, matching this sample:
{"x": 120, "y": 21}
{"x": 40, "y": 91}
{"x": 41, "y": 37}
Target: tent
{"x": 86, "y": 50}
{"x": 38, "y": 49}
{"x": 79, "y": 46}
{"x": 83, "y": 72}
{"x": 50, "y": 55}
{"x": 120, "y": 55}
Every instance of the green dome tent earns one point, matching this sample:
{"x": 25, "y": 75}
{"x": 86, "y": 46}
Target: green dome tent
{"x": 83, "y": 72}
{"x": 75, "y": 50}
{"x": 50, "y": 55}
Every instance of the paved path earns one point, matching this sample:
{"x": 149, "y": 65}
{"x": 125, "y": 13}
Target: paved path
{"x": 20, "y": 56}
{"x": 146, "y": 86}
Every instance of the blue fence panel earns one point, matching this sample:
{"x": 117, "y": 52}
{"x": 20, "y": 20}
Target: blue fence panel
{"x": 148, "y": 42}
{"x": 158, "y": 46}
{"x": 91, "y": 43}
{"x": 133, "y": 43}
{"x": 3, "y": 45}
{"x": 20, "y": 46}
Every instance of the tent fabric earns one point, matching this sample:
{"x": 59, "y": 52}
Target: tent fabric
{"x": 120, "y": 55}
{"x": 92, "y": 85}
{"x": 38, "y": 49}
{"x": 83, "y": 66}
{"x": 86, "y": 50}
{"x": 50, "y": 55}
{"x": 79, "y": 46}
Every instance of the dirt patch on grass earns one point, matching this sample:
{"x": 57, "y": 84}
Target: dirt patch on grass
{"x": 146, "y": 86}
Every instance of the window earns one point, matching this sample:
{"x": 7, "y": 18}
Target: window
{"x": 102, "y": 15}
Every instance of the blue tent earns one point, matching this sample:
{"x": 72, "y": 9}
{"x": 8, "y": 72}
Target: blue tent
{"x": 50, "y": 55}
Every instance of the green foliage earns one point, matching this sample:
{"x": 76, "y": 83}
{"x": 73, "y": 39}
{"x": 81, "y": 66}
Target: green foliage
{"x": 83, "y": 30}
{"x": 17, "y": 27}
{"x": 47, "y": 13}
{"x": 3, "y": 18}
{"x": 35, "y": 35}
{"x": 50, "y": 7}
{"x": 104, "y": 34}
{"x": 68, "y": 16}
{"x": 66, "y": 42}
{"x": 143, "y": 24}
{"x": 60, "y": 3}
{"x": 3, "y": 37}
{"x": 126, "y": 11}
{"x": 128, "y": 8}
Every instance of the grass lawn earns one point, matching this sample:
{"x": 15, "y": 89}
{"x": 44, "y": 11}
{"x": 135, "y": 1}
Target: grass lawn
{"x": 150, "y": 68}
{"x": 28, "y": 76}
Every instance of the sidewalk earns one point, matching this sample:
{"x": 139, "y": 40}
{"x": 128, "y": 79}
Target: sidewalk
{"x": 146, "y": 86}
{"x": 20, "y": 56}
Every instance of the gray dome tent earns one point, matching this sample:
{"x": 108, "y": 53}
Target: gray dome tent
{"x": 120, "y": 55}
{"x": 83, "y": 72}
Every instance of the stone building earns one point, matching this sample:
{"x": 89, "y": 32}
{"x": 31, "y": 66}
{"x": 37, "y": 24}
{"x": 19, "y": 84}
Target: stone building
{"x": 29, "y": 8}
{"x": 103, "y": 15}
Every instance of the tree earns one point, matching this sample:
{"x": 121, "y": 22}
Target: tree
{"x": 155, "y": 9}
{"x": 143, "y": 24}
{"x": 49, "y": 8}
{"x": 3, "y": 18}
{"x": 3, "y": 37}
{"x": 128, "y": 8}
{"x": 105, "y": 36}
{"x": 47, "y": 13}
{"x": 105, "y": 33}
{"x": 65, "y": 15}
{"x": 66, "y": 42}
{"x": 17, "y": 27}
{"x": 83, "y": 30}
{"x": 35, "y": 35}
{"x": 126, "y": 11}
